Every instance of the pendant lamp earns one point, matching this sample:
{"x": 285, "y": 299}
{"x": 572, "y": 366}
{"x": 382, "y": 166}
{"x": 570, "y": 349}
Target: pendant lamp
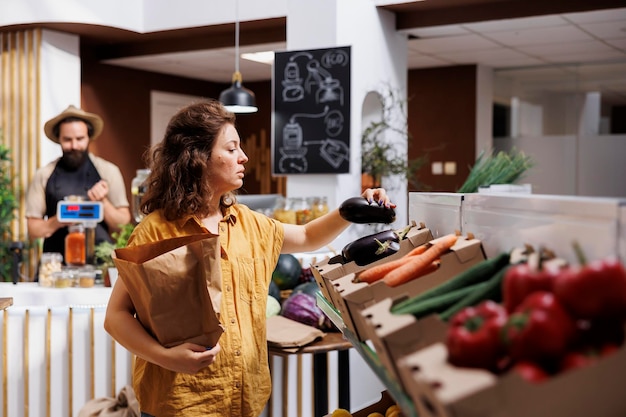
{"x": 237, "y": 98}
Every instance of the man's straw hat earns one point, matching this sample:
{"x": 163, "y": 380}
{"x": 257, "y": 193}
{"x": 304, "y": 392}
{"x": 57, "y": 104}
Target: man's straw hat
{"x": 73, "y": 111}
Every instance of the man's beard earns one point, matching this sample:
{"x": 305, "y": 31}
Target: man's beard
{"x": 72, "y": 160}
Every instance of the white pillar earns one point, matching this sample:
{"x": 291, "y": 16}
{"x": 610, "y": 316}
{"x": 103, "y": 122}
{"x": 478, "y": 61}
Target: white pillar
{"x": 59, "y": 71}
{"x": 379, "y": 61}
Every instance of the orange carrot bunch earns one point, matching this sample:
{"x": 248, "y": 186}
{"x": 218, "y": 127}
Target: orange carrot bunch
{"x": 420, "y": 261}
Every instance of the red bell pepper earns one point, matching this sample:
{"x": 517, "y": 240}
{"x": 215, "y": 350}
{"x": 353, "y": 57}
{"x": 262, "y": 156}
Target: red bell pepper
{"x": 594, "y": 290}
{"x": 601, "y": 332}
{"x": 531, "y": 371}
{"x": 539, "y": 329}
{"x": 523, "y": 279}
{"x": 473, "y": 338}
{"x": 586, "y": 356}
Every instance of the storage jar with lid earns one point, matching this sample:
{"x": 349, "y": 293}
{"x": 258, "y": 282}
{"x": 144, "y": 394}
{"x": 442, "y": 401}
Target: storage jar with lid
{"x": 50, "y": 263}
{"x": 302, "y": 209}
{"x": 75, "y": 245}
{"x": 138, "y": 189}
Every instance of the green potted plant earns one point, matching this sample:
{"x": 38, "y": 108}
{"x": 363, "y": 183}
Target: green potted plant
{"x": 8, "y": 205}
{"x": 103, "y": 252}
{"x": 380, "y": 157}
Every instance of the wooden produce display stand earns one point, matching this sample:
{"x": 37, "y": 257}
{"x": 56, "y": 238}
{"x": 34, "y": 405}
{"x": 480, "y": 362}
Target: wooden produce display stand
{"x": 410, "y": 357}
{"x": 330, "y": 342}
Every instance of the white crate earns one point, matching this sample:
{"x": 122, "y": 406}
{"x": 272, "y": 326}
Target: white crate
{"x": 440, "y": 212}
{"x": 505, "y": 221}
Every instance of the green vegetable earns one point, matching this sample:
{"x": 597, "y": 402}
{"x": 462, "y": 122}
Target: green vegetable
{"x": 479, "y": 272}
{"x": 491, "y": 291}
{"x": 438, "y": 303}
{"x": 287, "y": 272}
{"x": 273, "y": 307}
{"x": 501, "y": 168}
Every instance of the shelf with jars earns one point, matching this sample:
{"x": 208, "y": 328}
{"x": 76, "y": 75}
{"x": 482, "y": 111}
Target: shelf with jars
{"x": 300, "y": 210}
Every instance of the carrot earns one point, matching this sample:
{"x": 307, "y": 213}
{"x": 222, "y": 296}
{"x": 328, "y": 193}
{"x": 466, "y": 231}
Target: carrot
{"x": 415, "y": 266}
{"x": 377, "y": 272}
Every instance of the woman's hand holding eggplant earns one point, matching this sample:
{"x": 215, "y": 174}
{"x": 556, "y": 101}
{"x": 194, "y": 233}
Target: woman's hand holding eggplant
{"x": 374, "y": 206}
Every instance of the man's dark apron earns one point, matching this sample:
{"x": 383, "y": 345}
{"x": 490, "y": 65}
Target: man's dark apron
{"x": 63, "y": 183}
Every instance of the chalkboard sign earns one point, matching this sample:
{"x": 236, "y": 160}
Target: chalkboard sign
{"x": 311, "y": 112}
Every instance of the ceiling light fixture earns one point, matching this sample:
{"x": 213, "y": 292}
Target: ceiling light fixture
{"x": 238, "y": 99}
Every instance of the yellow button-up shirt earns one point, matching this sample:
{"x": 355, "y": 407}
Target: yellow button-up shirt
{"x": 238, "y": 383}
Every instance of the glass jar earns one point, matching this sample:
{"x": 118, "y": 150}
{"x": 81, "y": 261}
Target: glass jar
{"x": 302, "y": 209}
{"x": 50, "y": 263}
{"x": 319, "y": 206}
{"x": 283, "y": 212}
{"x": 75, "y": 245}
{"x": 61, "y": 279}
{"x": 86, "y": 277}
{"x": 138, "y": 189}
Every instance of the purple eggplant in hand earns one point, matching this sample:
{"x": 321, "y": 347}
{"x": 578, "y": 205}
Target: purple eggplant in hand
{"x": 371, "y": 248}
{"x": 359, "y": 210}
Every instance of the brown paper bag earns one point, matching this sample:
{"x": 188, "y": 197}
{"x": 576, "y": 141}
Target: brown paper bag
{"x": 286, "y": 333}
{"x": 125, "y": 405}
{"x": 175, "y": 285}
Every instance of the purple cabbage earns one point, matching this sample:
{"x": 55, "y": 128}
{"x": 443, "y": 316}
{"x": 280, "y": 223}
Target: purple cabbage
{"x": 302, "y": 307}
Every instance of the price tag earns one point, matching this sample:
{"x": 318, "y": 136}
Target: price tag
{"x": 79, "y": 211}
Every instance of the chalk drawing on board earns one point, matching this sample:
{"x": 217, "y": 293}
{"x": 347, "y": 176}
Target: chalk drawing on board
{"x": 292, "y": 82}
{"x": 294, "y": 149}
{"x": 327, "y": 88}
{"x": 311, "y": 129}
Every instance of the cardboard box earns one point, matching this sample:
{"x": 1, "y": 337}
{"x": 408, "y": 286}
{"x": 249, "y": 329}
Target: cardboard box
{"x": 353, "y": 298}
{"x": 396, "y": 335}
{"x": 326, "y": 272}
{"x": 442, "y": 390}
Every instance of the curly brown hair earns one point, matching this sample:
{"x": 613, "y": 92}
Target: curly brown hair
{"x": 179, "y": 183}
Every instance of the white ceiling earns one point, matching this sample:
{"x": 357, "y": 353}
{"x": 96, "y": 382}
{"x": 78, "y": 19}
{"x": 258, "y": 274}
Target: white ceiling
{"x": 583, "y": 50}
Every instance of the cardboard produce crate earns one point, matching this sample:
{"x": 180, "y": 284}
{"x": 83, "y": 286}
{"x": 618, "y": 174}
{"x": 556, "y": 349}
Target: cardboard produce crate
{"x": 442, "y": 390}
{"x": 326, "y": 272}
{"x": 352, "y": 298}
{"x": 396, "y": 335}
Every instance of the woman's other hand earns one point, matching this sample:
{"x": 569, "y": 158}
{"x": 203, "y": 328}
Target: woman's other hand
{"x": 190, "y": 358}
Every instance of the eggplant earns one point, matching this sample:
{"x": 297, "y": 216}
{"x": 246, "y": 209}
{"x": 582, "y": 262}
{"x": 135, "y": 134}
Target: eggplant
{"x": 371, "y": 248}
{"x": 359, "y": 210}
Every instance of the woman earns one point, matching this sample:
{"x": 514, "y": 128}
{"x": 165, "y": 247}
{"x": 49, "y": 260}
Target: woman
{"x": 195, "y": 170}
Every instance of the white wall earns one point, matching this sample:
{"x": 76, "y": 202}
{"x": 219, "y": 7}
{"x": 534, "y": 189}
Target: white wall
{"x": 59, "y": 71}
{"x": 124, "y": 14}
{"x": 376, "y": 46}
{"x": 573, "y": 165}
{"x": 138, "y": 15}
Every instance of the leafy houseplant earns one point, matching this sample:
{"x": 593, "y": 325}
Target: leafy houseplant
{"x": 103, "y": 252}
{"x": 8, "y": 205}
{"x": 379, "y": 156}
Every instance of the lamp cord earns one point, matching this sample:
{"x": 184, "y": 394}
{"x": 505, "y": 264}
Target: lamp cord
{"x": 236, "y": 36}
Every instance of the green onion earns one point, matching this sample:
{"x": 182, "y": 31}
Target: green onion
{"x": 500, "y": 168}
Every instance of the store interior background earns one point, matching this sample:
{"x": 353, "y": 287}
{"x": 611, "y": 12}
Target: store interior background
{"x": 557, "y": 82}
{"x": 558, "y": 85}
{"x": 547, "y": 78}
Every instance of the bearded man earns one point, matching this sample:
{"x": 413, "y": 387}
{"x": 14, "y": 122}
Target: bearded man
{"x": 79, "y": 174}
